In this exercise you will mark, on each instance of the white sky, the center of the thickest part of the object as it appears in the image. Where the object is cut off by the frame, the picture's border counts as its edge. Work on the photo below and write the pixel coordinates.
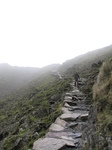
(41, 32)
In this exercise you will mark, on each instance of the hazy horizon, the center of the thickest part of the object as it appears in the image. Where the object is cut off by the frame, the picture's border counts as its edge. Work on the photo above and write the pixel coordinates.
(41, 33)
(5, 63)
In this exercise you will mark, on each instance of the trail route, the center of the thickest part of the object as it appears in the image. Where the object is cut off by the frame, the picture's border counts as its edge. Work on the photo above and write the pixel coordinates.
(66, 133)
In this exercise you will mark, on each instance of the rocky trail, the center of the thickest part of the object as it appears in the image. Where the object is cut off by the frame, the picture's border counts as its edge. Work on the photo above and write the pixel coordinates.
(66, 133)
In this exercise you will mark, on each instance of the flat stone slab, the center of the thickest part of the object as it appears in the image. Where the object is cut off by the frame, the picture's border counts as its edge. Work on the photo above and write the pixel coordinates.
(64, 135)
(68, 94)
(72, 103)
(74, 108)
(72, 124)
(65, 110)
(84, 117)
(68, 100)
(56, 127)
(67, 105)
(61, 122)
(60, 134)
(70, 117)
(51, 144)
(78, 135)
(68, 97)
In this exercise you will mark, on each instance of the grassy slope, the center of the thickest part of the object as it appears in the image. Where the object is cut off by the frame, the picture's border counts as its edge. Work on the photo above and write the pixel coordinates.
(34, 108)
(83, 62)
(13, 78)
(102, 92)
(34, 111)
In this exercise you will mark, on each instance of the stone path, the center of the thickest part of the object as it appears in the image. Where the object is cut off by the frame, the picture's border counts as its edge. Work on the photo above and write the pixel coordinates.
(66, 133)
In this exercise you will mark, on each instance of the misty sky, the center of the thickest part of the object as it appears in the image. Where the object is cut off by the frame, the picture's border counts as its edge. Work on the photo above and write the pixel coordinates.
(41, 32)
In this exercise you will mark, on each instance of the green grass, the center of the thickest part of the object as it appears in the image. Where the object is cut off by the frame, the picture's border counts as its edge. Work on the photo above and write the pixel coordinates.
(102, 92)
(32, 111)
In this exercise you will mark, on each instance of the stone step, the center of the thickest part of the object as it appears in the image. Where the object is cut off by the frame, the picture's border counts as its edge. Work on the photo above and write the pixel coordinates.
(59, 134)
(67, 105)
(65, 110)
(64, 135)
(67, 129)
(68, 94)
(56, 127)
(52, 143)
(77, 108)
(68, 97)
(84, 117)
(70, 102)
(70, 117)
(60, 122)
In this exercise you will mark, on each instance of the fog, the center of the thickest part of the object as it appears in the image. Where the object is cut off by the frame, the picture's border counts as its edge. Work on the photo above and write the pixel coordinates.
(38, 33)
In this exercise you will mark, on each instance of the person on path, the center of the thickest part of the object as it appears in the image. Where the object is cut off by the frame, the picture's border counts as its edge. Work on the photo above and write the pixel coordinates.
(76, 77)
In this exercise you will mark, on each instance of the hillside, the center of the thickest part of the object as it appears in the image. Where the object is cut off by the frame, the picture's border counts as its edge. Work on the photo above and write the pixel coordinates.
(84, 62)
(102, 94)
(31, 98)
(14, 78)
(30, 112)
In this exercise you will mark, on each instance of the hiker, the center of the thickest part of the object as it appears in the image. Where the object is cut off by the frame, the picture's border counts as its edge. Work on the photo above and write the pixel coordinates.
(76, 77)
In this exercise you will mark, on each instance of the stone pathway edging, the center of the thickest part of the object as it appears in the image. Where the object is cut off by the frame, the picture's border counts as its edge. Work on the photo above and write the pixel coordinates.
(66, 132)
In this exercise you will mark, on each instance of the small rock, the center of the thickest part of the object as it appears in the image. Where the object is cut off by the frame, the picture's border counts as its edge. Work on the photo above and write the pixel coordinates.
(21, 129)
(35, 134)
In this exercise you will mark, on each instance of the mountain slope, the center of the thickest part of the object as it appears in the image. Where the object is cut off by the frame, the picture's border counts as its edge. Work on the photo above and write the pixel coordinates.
(83, 62)
(23, 116)
(31, 98)
(14, 78)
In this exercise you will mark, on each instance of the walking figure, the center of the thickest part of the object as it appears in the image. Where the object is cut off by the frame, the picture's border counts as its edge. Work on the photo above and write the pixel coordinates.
(76, 77)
